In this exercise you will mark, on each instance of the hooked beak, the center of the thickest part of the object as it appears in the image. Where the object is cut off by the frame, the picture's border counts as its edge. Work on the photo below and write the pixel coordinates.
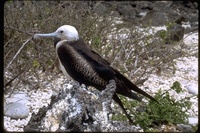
(54, 35)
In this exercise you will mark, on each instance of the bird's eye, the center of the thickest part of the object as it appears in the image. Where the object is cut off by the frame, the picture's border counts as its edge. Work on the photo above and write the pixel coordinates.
(61, 31)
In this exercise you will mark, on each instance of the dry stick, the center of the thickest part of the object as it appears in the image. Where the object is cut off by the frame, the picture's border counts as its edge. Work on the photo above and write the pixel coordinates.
(17, 53)
(9, 82)
(25, 68)
(15, 85)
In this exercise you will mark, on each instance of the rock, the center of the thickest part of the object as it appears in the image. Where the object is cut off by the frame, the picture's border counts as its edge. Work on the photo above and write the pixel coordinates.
(175, 31)
(19, 97)
(101, 7)
(158, 12)
(155, 18)
(16, 110)
(191, 29)
(180, 20)
(141, 14)
(193, 120)
(77, 109)
(146, 5)
(192, 89)
(127, 11)
(184, 128)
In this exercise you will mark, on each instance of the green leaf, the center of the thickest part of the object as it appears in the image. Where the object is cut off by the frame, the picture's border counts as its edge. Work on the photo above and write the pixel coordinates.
(177, 87)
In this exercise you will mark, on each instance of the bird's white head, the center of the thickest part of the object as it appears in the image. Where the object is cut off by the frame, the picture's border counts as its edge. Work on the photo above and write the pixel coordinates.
(65, 32)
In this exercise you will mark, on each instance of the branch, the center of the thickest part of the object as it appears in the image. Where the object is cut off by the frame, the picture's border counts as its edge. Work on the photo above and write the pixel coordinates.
(17, 53)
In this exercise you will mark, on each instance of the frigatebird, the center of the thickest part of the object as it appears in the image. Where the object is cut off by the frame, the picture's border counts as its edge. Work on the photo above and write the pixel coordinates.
(80, 63)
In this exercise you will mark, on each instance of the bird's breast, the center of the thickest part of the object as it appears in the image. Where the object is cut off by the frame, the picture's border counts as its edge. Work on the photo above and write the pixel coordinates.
(65, 71)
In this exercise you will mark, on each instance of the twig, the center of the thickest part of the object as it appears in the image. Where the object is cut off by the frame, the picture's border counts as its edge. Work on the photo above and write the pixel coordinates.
(9, 82)
(141, 76)
(117, 55)
(137, 70)
(17, 53)
(15, 77)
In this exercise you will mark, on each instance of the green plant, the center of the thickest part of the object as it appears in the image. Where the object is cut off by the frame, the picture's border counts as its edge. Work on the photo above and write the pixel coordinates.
(168, 111)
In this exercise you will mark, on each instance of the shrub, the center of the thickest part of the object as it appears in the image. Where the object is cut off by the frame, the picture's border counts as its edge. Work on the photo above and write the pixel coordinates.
(169, 111)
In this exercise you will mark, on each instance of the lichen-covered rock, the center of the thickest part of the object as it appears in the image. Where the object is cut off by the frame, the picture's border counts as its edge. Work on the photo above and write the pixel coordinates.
(77, 109)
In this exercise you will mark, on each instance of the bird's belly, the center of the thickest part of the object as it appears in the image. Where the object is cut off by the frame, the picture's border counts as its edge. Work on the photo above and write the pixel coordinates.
(65, 72)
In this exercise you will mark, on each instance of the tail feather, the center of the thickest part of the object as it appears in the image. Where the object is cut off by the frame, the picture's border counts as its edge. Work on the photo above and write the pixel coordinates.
(128, 86)
(117, 100)
(124, 90)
